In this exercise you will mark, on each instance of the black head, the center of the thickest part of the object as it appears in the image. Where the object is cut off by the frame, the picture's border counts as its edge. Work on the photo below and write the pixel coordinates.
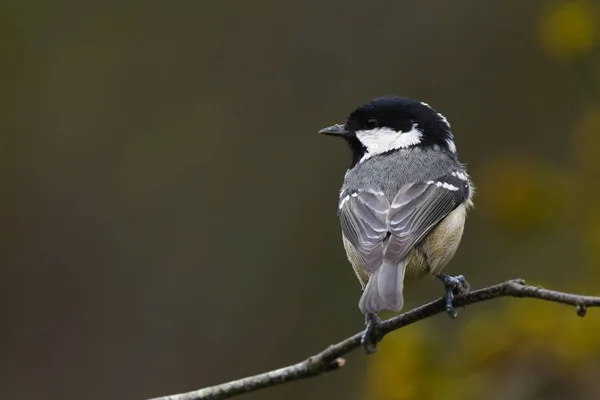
(391, 123)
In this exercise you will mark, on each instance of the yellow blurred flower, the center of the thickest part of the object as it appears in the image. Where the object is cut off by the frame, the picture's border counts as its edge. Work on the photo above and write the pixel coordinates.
(568, 28)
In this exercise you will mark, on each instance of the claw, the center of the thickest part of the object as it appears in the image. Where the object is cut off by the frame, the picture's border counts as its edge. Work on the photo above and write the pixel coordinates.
(370, 337)
(454, 285)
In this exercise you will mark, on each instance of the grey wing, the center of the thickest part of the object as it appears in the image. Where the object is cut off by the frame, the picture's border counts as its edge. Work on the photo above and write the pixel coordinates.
(363, 217)
(382, 235)
(417, 208)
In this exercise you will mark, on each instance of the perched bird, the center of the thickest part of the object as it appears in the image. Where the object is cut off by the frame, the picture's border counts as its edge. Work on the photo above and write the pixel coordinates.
(403, 202)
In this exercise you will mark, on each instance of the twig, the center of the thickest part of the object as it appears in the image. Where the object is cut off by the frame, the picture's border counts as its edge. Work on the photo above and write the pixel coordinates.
(329, 359)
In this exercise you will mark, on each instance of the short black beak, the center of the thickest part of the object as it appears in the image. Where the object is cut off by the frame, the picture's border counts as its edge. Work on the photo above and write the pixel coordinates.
(335, 130)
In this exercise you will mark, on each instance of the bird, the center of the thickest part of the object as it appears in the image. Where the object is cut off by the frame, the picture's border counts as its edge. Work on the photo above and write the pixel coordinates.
(403, 203)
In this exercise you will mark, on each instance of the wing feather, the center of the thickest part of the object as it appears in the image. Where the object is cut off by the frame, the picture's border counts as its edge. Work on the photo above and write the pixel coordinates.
(415, 212)
(364, 225)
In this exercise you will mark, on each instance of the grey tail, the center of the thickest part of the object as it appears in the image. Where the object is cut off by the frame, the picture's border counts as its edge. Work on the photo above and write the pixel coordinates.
(384, 291)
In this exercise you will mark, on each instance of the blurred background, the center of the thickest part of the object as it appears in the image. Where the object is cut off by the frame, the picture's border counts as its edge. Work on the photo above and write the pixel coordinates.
(169, 210)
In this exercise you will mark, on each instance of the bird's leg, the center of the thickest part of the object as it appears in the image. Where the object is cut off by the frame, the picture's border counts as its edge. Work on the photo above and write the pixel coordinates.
(454, 285)
(370, 337)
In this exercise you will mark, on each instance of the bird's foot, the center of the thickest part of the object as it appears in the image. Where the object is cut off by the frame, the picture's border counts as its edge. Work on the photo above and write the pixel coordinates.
(454, 285)
(371, 337)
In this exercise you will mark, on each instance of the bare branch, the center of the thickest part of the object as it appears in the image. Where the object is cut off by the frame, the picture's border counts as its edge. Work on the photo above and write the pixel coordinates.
(330, 358)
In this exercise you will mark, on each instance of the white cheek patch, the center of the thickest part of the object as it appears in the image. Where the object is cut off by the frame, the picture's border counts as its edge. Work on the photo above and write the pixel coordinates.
(382, 140)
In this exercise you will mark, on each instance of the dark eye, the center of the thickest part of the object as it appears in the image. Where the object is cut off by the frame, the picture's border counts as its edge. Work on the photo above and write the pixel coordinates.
(372, 124)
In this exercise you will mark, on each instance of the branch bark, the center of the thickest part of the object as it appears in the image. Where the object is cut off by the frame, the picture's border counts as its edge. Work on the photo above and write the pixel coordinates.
(330, 358)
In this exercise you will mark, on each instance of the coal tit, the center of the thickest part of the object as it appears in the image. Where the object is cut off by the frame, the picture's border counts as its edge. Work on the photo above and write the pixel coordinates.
(403, 202)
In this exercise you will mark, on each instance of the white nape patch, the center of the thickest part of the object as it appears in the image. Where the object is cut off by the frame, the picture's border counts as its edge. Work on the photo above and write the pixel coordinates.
(439, 114)
(444, 185)
(444, 119)
(451, 145)
(460, 175)
(382, 140)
